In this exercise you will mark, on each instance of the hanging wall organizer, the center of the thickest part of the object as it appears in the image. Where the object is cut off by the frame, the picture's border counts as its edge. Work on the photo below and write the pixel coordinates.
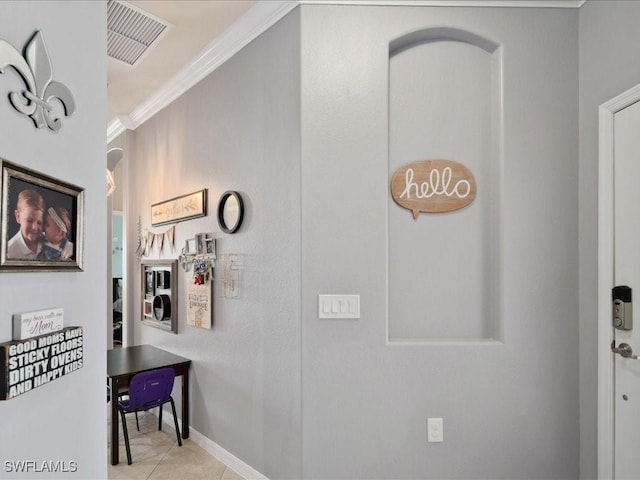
(35, 69)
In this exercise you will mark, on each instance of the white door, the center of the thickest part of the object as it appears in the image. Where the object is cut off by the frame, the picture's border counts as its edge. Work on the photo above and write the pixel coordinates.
(626, 272)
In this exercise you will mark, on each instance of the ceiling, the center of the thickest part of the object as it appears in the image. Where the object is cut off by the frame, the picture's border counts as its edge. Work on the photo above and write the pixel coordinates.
(193, 26)
(203, 34)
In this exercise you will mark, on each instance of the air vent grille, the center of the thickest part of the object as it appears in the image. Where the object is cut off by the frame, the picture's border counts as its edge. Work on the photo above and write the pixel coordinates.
(131, 32)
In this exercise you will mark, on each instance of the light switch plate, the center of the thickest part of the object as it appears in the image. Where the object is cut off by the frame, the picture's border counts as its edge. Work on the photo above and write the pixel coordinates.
(435, 430)
(338, 306)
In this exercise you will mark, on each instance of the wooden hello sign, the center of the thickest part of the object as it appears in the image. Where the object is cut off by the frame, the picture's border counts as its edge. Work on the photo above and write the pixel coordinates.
(433, 186)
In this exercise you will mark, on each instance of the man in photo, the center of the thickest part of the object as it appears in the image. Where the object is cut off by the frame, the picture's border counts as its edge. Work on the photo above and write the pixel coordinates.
(29, 214)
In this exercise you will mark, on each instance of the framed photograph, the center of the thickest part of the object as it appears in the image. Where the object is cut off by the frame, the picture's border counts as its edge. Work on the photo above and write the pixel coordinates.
(163, 279)
(199, 238)
(179, 209)
(150, 285)
(210, 246)
(148, 308)
(42, 221)
(190, 246)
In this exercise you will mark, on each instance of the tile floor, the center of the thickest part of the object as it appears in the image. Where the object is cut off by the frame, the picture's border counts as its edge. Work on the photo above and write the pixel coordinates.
(156, 454)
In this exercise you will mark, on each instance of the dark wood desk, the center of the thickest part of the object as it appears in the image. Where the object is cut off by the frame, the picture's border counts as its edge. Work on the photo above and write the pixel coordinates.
(124, 363)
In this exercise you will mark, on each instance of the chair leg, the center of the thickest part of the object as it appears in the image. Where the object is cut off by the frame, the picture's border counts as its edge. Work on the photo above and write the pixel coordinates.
(126, 437)
(137, 424)
(160, 419)
(175, 421)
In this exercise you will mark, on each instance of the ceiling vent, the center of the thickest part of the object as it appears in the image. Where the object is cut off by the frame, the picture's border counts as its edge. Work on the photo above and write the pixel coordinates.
(131, 32)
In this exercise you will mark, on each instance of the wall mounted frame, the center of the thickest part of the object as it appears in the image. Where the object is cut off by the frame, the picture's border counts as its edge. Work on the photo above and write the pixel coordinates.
(179, 209)
(230, 211)
(52, 202)
(159, 294)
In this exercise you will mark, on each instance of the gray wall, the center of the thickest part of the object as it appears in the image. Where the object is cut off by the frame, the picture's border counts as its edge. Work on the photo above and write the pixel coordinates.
(609, 43)
(510, 410)
(63, 420)
(239, 129)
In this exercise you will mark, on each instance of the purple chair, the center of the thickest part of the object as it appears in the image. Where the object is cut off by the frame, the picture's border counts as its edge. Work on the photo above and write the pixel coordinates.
(148, 390)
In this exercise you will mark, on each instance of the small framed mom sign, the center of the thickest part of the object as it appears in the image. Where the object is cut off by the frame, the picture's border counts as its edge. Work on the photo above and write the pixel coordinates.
(433, 186)
(31, 324)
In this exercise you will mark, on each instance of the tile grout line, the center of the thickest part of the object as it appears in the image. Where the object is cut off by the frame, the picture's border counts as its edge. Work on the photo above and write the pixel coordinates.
(160, 461)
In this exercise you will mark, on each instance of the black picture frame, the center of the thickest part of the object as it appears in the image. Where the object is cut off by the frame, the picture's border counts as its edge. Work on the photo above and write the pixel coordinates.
(46, 201)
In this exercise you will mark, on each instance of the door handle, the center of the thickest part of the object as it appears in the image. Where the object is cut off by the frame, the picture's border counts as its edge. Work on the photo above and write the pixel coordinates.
(624, 349)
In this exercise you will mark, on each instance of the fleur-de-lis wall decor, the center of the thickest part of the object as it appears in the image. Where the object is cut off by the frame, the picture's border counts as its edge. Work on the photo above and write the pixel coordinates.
(35, 70)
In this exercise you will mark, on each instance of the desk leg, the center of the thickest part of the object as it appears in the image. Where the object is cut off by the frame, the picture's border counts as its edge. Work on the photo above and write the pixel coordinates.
(185, 404)
(115, 444)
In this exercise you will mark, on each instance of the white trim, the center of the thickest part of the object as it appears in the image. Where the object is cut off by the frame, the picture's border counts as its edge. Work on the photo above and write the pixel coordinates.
(454, 3)
(257, 20)
(605, 277)
(443, 342)
(216, 451)
(117, 126)
(230, 460)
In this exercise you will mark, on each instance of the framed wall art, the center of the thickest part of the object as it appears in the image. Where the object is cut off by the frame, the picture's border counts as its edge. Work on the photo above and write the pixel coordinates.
(159, 288)
(178, 209)
(42, 221)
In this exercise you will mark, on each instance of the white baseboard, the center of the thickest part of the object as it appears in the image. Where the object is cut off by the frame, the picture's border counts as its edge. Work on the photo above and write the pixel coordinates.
(212, 448)
(226, 457)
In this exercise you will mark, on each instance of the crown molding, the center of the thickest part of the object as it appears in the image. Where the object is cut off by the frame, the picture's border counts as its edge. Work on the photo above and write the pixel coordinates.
(257, 20)
(453, 3)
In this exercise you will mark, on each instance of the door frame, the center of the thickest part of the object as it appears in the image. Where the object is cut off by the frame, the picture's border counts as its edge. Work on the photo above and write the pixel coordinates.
(606, 113)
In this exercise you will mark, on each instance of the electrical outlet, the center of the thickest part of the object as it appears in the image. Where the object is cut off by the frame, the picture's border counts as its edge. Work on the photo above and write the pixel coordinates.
(435, 430)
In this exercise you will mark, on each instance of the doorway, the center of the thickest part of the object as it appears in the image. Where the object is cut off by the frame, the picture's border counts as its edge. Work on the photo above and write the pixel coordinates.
(618, 264)
(116, 317)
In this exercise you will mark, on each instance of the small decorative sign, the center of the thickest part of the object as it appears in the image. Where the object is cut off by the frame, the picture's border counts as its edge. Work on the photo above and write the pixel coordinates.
(32, 324)
(433, 186)
(27, 364)
(199, 305)
(178, 209)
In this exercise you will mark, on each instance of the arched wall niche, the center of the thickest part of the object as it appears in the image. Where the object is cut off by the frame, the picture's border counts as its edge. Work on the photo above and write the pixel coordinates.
(441, 34)
(445, 270)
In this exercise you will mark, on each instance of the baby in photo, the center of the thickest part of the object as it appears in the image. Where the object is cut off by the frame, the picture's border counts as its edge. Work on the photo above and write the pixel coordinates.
(57, 225)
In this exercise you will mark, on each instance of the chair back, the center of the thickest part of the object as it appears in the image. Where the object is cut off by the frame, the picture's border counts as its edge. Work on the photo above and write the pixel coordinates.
(150, 389)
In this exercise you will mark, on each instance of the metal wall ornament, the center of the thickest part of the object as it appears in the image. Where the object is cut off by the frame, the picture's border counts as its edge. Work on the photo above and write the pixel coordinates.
(37, 73)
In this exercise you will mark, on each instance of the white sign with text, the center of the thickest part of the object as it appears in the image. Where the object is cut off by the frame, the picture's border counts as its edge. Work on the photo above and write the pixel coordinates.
(31, 324)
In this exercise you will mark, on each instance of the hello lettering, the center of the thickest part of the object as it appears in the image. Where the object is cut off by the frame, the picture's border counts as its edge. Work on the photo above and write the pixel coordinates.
(433, 186)
(439, 184)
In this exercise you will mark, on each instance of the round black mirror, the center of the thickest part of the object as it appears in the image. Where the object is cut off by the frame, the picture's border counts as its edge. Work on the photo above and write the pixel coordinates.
(230, 211)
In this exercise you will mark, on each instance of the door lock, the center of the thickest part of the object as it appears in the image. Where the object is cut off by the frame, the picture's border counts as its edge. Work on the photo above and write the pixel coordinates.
(622, 314)
(624, 349)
